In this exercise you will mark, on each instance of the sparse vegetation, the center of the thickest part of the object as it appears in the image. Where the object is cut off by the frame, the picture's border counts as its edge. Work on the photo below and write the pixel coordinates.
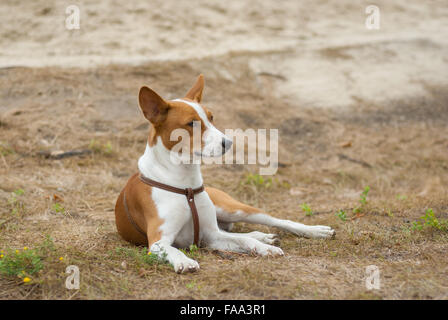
(26, 262)
(362, 201)
(101, 148)
(193, 285)
(140, 256)
(390, 213)
(5, 149)
(58, 208)
(257, 181)
(192, 252)
(16, 203)
(341, 215)
(429, 222)
(20, 263)
(306, 208)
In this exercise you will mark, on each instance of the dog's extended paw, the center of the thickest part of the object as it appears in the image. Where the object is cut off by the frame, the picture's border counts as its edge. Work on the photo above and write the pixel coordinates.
(275, 251)
(320, 232)
(266, 250)
(186, 265)
(268, 238)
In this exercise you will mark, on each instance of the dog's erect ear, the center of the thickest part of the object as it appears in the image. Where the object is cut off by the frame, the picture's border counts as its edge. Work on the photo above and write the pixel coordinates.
(153, 106)
(195, 92)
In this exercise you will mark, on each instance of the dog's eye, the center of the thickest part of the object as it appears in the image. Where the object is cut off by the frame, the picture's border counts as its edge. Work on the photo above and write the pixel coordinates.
(190, 124)
(211, 118)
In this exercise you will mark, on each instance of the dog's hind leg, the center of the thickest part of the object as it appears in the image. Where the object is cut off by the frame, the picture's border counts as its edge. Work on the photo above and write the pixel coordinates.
(229, 211)
(268, 238)
(226, 226)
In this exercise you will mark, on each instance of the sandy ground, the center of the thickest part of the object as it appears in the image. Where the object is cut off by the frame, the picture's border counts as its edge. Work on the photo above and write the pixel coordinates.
(354, 107)
(298, 42)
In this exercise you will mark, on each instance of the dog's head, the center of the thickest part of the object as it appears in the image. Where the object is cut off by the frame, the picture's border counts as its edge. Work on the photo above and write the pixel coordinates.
(175, 123)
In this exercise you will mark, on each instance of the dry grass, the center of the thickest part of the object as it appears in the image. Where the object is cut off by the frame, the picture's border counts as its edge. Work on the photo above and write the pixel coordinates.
(326, 159)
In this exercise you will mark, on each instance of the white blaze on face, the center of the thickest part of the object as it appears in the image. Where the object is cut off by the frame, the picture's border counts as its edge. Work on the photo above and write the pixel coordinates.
(213, 138)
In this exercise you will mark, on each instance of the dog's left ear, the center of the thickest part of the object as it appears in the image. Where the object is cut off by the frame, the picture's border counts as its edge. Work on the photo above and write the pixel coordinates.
(153, 106)
(195, 93)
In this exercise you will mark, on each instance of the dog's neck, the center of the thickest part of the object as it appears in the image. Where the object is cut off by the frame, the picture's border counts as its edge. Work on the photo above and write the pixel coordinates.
(157, 165)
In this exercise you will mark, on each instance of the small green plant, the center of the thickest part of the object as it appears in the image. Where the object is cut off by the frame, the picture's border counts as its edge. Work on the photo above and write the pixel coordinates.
(257, 181)
(285, 184)
(100, 148)
(5, 149)
(192, 285)
(141, 256)
(95, 146)
(108, 148)
(26, 262)
(401, 197)
(47, 245)
(306, 208)
(58, 208)
(192, 252)
(362, 201)
(15, 202)
(429, 221)
(20, 262)
(19, 192)
(363, 196)
(341, 215)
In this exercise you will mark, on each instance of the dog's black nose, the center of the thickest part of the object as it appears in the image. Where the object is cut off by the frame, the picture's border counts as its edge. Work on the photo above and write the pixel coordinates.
(226, 143)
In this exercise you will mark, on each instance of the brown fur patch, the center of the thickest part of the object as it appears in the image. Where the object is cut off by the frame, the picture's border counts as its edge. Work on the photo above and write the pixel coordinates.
(226, 202)
(178, 117)
(142, 210)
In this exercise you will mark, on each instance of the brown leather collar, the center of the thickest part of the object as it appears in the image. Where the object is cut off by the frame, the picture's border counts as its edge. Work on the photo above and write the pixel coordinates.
(188, 192)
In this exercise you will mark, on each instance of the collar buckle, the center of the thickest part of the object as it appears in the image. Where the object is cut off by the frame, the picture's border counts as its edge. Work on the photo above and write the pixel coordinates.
(189, 193)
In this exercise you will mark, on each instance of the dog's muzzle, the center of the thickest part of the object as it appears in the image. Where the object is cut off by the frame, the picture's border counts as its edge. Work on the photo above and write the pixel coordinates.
(226, 144)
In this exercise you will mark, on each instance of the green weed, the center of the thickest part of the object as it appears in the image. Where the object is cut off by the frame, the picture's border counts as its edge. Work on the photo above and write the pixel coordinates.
(26, 262)
(257, 181)
(306, 208)
(341, 215)
(16, 203)
(101, 148)
(58, 208)
(20, 263)
(362, 201)
(192, 285)
(141, 256)
(429, 221)
(192, 252)
(5, 149)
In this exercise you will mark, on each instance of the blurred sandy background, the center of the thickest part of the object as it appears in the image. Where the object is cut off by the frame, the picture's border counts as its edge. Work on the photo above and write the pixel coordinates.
(354, 108)
(320, 52)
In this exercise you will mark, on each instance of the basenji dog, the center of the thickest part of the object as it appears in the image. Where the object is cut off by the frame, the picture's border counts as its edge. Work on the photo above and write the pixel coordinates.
(165, 205)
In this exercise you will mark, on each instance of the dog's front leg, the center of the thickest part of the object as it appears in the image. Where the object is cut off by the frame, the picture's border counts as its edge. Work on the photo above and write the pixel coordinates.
(233, 242)
(175, 257)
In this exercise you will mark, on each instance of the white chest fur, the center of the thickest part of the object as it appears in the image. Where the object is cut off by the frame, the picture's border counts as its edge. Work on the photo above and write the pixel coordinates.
(175, 211)
(172, 207)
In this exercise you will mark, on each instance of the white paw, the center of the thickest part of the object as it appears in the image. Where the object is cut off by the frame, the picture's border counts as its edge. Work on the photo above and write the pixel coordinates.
(319, 232)
(268, 238)
(265, 250)
(275, 251)
(186, 265)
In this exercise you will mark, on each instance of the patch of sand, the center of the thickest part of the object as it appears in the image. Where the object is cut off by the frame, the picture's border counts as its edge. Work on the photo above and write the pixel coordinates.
(320, 54)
